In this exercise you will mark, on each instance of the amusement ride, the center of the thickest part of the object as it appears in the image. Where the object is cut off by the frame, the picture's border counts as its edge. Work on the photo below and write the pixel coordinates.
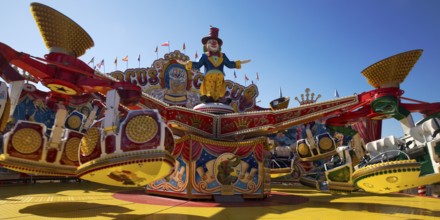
(174, 130)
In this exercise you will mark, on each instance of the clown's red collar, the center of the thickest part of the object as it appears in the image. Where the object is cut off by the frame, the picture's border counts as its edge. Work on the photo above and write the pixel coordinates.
(210, 54)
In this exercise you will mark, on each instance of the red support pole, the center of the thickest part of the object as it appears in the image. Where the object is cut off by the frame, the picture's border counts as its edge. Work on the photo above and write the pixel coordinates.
(421, 190)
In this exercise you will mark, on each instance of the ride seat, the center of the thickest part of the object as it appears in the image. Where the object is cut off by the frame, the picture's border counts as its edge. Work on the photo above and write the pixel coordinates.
(430, 127)
(417, 133)
(423, 133)
(383, 145)
(283, 151)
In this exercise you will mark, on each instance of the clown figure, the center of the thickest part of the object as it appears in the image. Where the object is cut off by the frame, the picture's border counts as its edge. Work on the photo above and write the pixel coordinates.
(213, 86)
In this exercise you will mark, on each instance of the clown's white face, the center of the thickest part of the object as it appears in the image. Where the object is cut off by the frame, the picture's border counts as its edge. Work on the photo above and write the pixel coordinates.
(212, 45)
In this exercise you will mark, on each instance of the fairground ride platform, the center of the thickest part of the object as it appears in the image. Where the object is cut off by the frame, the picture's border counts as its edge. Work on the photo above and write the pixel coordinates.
(87, 200)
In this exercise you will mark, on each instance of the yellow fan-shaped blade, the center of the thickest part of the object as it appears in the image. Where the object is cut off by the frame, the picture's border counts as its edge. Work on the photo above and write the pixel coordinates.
(393, 70)
(60, 33)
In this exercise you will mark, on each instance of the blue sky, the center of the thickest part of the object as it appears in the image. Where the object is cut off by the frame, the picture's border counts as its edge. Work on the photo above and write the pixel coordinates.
(320, 44)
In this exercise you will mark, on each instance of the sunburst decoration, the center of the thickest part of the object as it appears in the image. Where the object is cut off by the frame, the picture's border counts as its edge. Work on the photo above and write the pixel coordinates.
(303, 149)
(89, 141)
(26, 140)
(74, 122)
(72, 148)
(141, 129)
(325, 143)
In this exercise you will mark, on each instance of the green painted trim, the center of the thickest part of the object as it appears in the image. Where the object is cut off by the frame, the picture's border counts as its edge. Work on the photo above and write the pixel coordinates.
(348, 131)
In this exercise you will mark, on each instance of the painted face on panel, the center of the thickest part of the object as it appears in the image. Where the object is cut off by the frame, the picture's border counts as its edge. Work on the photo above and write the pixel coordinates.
(178, 80)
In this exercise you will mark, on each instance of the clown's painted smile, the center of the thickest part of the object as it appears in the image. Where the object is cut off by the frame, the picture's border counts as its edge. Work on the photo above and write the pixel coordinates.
(212, 45)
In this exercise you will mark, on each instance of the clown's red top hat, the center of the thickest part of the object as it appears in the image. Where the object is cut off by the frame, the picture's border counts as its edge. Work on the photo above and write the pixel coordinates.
(213, 34)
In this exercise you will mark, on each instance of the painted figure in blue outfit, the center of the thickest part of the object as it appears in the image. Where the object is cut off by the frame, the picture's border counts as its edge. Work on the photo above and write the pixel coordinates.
(213, 86)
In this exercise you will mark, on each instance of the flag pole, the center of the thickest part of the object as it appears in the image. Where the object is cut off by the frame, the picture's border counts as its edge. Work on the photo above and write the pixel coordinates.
(92, 61)
(258, 77)
(157, 52)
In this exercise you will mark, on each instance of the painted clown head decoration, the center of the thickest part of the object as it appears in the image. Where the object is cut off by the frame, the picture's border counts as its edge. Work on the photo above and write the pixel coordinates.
(212, 43)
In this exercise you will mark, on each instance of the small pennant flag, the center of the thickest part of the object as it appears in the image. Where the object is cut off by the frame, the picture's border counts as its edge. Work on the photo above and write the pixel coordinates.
(116, 60)
(235, 75)
(156, 49)
(92, 60)
(100, 64)
(165, 44)
(196, 55)
(125, 58)
(336, 93)
(258, 78)
(139, 58)
(184, 47)
(245, 77)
